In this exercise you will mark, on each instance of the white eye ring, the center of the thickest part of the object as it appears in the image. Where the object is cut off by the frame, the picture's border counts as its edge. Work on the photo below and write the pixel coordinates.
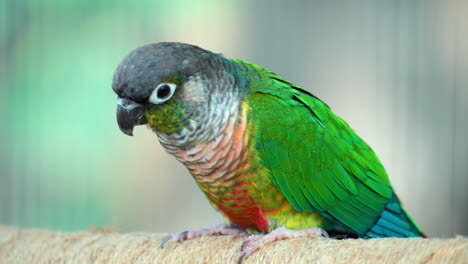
(162, 93)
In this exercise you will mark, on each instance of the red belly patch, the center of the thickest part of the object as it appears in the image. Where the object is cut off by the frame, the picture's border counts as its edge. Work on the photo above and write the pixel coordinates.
(244, 211)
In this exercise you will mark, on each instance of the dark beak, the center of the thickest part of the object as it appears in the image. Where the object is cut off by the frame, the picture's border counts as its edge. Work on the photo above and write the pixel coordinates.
(129, 114)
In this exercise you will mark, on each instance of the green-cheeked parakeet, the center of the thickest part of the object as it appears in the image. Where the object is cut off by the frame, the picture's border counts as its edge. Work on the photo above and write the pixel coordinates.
(270, 156)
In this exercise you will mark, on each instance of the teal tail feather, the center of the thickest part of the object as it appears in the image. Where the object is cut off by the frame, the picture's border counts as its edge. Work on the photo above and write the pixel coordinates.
(394, 222)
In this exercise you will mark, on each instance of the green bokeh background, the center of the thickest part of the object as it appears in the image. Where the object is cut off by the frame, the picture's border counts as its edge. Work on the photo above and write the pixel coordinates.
(64, 162)
(383, 66)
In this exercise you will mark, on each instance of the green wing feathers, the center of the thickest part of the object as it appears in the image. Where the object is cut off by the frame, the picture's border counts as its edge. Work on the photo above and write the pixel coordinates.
(314, 158)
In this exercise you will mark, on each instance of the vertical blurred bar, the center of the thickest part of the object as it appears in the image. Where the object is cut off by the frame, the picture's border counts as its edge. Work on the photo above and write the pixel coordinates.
(29, 98)
(13, 27)
(4, 149)
(460, 129)
(421, 58)
(20, 140)
(454, 79)
(34, 217)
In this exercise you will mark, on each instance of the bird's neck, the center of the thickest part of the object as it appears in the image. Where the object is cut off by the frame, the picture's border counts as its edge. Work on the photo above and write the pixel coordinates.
(221, 157)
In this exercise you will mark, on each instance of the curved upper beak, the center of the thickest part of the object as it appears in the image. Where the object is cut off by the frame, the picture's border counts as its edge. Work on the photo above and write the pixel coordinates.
(129, 114)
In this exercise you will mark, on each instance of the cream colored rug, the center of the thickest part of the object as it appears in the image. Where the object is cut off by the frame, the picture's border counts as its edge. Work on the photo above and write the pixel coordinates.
(105, 246)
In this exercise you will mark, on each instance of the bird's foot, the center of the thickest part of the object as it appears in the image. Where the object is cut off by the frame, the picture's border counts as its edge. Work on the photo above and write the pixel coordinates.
(255, 242)
(213, 230)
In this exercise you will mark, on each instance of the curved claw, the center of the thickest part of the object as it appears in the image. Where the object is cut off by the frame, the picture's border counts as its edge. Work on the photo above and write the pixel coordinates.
(255, 242)
(165, 239)
(250, 239)
(241, 258)
(173, 236)
(218, 229)
(324, 233)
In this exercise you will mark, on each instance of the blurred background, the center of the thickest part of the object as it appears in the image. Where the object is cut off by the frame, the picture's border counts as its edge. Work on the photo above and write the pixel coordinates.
(397, 71)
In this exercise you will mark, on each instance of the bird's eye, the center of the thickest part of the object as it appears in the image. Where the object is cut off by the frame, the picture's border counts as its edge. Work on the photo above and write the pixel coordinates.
(162, 93)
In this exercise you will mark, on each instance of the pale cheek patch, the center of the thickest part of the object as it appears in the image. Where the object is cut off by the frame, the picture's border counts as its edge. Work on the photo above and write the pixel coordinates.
(194, 90)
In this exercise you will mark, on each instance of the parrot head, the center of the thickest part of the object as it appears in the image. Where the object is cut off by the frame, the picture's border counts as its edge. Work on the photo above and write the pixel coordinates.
(182, 92)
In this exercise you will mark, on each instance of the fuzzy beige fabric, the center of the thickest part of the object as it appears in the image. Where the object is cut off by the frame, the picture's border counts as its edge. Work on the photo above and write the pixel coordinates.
(106, 246)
